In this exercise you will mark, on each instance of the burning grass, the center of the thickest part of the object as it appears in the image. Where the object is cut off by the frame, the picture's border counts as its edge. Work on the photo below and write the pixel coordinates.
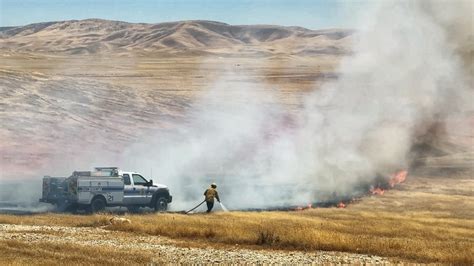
(428, 220)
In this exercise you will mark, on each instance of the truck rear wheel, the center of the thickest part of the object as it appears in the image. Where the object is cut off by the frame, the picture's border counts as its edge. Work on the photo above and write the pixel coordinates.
(97, 205)
(161, 204)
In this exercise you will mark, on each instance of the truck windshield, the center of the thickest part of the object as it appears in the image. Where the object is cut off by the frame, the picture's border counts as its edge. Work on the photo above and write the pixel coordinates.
(138, 180)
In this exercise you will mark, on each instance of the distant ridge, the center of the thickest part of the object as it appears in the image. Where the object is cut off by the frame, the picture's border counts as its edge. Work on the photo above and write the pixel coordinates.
(93, 36)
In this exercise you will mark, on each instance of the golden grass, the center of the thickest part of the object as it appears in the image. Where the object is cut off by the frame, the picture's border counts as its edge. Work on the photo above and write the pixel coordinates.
(406, 236)
(57, 219)
(14, 252)
(410, 224)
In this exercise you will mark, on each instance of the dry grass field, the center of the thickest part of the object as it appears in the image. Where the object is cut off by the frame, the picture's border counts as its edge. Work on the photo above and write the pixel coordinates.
(427, 219)
(50, 100)
(23, 253)
(63, 96)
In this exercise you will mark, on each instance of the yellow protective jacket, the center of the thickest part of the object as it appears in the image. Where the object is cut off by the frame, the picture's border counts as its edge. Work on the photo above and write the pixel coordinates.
(210, 194)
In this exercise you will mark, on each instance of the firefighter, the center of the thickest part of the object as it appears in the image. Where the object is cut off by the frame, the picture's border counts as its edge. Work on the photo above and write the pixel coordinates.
(210, 194)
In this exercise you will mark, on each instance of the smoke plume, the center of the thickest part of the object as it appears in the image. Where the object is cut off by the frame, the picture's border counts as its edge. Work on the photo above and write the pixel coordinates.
(406, 74)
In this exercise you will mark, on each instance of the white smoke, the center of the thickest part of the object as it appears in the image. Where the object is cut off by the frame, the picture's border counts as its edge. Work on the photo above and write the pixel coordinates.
(405, 75)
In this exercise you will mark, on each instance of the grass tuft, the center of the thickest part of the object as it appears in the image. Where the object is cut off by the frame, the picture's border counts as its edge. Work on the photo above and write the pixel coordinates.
(267, 237)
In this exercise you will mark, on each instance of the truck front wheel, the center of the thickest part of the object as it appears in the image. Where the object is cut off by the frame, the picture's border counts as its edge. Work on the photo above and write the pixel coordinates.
(97, 205)
(161, 204)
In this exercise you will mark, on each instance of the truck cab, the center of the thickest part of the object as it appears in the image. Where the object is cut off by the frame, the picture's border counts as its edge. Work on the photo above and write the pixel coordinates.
(140, 192)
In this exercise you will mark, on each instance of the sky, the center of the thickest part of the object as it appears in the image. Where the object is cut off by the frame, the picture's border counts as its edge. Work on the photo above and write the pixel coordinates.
(313, 14)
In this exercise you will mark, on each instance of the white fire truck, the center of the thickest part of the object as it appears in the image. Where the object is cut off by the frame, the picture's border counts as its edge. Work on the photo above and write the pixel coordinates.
(95, 190)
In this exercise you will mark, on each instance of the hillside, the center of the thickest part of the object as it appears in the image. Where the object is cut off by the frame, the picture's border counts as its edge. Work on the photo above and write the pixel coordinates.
(100, 36)
(70, 79)
(67, 85)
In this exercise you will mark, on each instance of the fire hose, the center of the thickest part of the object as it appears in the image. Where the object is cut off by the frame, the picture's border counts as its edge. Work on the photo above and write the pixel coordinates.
(196, 207)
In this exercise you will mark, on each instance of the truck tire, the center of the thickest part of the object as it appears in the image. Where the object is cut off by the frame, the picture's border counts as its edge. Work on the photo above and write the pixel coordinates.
(161, 204)
(97, 205)
(62, 207)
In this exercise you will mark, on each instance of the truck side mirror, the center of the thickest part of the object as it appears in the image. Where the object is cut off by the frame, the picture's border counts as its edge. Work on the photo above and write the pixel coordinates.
(150, 183)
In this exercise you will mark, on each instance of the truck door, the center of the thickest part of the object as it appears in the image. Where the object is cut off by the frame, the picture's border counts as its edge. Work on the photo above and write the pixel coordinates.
(128, 191)
(141, 190)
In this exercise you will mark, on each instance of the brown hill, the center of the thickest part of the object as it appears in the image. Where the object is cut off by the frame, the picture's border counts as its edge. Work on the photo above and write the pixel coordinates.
(95, 35)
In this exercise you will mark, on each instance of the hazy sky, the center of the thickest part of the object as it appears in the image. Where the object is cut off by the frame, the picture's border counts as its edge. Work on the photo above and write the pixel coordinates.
(306, 13)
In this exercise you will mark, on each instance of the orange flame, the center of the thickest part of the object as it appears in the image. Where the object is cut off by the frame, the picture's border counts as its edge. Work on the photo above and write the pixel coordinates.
(300, 208)
(398, 178)
(377, 191)
(341, 205)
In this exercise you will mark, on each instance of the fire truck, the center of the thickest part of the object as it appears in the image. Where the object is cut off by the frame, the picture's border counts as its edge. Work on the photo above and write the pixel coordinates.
(103, 187)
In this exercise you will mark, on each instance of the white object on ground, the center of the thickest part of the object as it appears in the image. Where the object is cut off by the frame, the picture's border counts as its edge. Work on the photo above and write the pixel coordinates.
(119, 220)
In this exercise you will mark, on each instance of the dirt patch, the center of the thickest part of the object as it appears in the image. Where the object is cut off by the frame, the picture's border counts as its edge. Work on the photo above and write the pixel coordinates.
(167, 250)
